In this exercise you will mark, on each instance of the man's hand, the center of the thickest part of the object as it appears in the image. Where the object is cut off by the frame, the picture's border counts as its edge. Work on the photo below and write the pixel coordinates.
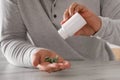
(93, 21)
(39, 61)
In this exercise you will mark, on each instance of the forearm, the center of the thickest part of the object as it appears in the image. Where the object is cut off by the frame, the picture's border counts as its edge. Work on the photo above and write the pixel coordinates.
(110, 30)
(13, 36)
(18, 52)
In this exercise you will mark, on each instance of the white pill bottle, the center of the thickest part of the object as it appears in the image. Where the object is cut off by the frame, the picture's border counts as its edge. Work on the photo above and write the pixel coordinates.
(70, 27)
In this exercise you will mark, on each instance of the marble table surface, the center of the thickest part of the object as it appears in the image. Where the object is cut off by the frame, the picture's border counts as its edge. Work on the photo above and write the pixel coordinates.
(80, 70)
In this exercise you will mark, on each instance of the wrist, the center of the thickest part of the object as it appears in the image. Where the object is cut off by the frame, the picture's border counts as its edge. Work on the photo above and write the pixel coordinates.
(97, 26)
(102, 30)
(36, 51)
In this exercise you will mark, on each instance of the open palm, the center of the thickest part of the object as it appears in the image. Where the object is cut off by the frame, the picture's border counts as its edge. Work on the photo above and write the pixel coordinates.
(38, 61)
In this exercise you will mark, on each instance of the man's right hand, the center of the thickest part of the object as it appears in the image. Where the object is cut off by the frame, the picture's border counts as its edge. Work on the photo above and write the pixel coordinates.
(93, 21)
(38, 60)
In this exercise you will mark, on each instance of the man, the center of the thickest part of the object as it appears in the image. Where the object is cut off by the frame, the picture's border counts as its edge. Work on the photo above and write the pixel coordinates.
(38, 22)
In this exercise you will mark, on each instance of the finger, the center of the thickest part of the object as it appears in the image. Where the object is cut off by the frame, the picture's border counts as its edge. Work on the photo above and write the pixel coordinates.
(35, 60)
(61, 63)
(72, 8)
(48, 67)
(42, 66)
(60, 60)
(66, 16)
(53, 67)
(64, 65)
(80, 8)
(62, 22)
(67, 64)
(61, 66)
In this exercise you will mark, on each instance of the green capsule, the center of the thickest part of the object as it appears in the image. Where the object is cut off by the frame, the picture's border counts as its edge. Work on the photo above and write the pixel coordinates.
(51, 60)
(47, 59)
(56, 59)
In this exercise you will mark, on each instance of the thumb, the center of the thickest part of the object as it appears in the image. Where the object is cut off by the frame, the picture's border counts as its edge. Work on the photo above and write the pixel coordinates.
(35, 60)
(62, 22)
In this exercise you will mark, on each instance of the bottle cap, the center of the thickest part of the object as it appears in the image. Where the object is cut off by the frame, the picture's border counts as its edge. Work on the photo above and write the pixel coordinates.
(71, 26)
(75, 23)
(63, 33)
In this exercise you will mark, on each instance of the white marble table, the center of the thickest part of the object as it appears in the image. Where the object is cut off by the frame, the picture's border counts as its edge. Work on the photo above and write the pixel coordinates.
(81, 70)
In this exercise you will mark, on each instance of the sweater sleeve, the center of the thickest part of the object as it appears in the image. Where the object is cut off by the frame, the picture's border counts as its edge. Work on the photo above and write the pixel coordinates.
(14, 44)
(110, 29)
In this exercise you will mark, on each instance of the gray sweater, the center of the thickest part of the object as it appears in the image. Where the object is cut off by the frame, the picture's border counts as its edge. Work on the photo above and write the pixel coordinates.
(30, 25)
